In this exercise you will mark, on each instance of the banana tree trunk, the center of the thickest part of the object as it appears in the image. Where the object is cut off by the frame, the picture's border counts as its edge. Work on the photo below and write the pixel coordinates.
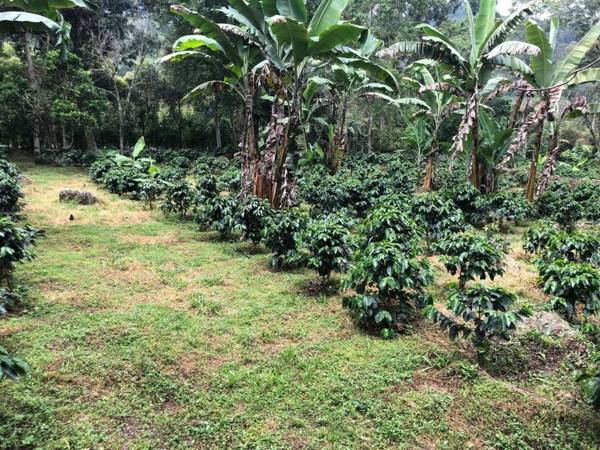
(264, 176)
(550, 165)
(248, 142)
(340, 139)
(530, 189)
(429, 177)
(474, 175)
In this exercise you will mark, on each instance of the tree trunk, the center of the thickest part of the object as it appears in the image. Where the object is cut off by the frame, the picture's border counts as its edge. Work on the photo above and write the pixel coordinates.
(37, 148)
(530, 189)
(550, 166)
(248, 140)
(515, 112)
(90, 139)
(217, 123)
(428, 179)
(63, 135)
(474, 163)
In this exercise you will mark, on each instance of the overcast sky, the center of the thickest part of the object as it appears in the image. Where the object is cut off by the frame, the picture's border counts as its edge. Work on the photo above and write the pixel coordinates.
(504, 6)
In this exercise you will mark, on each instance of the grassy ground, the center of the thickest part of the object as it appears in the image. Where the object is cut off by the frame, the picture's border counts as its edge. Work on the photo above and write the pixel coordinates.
(143, 333)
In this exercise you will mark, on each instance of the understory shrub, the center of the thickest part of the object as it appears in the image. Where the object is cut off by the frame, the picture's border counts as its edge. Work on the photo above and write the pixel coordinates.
(10, 191)
(560, 206)
(390, 282)
(252, 215)
(464, 196)
(123, 180)
(571, 284)
(11, 367)
(206, 189)
(389, 223)
(178, 198)
(536, 237)
(16, 246)
(503, 206)
(591, 381)
(219, 214)
(281, 233)
(100, 167)
(8, 301)
(479, 312)
(470, 256)
(326, 246)
(438, 216)
(575, 247)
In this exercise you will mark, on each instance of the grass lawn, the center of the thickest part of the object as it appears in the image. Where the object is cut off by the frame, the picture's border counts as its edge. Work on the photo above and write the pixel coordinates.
(143, 333)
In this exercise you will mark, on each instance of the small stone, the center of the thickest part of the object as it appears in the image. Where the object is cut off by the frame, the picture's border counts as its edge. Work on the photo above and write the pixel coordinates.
(79, 197)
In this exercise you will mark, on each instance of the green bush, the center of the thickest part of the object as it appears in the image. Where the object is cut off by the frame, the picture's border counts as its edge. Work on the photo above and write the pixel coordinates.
(10, 194)
(280, 235)
(219, 214)
(230, 180)
(8, 301)
(123, 180)
(387, 223)
(178, 198)
(502, 207)
(478, 311)
(326, 246)
(11, 367)
(591, 382)
(464, 196)
(560, 206)
(571, 283)
(206, 189)
(252, 215)
(470, 256)
(16, 246)
(536, 238)
(438, 216)
(100, 168)
(170, 174)
(575, 247)
(389, 282)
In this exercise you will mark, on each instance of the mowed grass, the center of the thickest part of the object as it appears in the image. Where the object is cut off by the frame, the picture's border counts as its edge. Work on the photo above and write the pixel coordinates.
(143, 333)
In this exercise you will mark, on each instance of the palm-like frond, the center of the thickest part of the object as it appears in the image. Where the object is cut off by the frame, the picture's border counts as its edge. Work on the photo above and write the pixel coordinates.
(513, 48)
(506, 28)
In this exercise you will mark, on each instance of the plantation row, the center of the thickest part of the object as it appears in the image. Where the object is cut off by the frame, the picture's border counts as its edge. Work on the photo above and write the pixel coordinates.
(370, 225)
(16, 246)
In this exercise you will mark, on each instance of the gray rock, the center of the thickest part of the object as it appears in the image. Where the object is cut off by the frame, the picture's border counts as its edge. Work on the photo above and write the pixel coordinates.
(548, 323)
(79, 197)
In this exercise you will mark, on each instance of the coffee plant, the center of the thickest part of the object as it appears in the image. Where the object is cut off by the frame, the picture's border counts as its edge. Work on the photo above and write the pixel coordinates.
(536, 238)
(11, 367)
(478, 311)
(575, 247)
(16, 246)
(281, 233)
(560, 206)
(571, 284)
(471, 256)
(591, 381)
(390, 286)
(178, 198)
(325, 246)
(219, 214)
(388, 223)
(252, 215)
(439, 217)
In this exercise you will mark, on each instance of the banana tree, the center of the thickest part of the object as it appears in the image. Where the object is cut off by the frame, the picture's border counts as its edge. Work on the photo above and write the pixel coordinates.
(301, 45)
(489, 50)
(239, 56)
(349, 86)
(435, 105)
(550, 79)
